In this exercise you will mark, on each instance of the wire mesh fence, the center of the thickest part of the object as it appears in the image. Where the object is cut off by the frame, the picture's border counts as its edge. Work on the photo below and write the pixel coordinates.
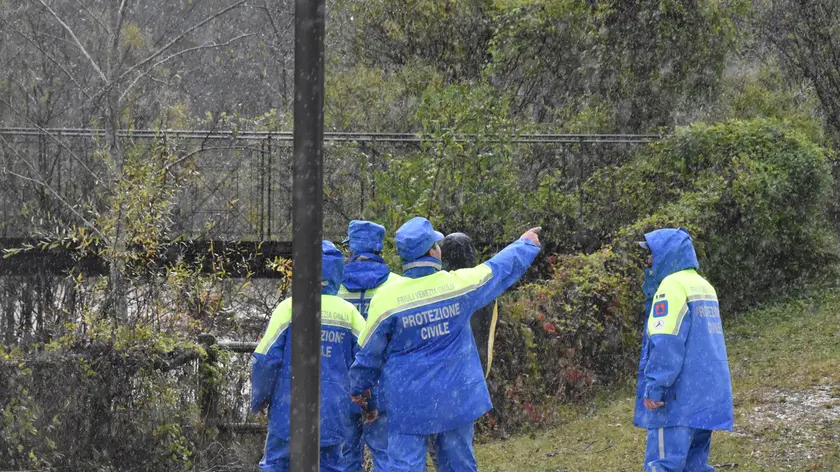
(239, 185)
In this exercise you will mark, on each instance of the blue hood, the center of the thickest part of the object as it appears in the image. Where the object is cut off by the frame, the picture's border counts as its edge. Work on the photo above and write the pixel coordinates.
(332, 268)
(365, 236)
(414, 239)
(672, 251)
(364, 272)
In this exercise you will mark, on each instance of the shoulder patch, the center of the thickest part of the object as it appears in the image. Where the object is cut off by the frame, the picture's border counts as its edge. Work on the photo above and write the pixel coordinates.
(660, 309)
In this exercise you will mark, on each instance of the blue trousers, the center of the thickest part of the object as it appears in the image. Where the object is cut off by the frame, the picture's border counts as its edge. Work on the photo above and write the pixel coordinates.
(375, 435)
(678, 449)
(276, 458)
(454, 451)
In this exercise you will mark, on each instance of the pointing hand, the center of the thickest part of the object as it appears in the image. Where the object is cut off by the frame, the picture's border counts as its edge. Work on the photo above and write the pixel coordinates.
(533, 235)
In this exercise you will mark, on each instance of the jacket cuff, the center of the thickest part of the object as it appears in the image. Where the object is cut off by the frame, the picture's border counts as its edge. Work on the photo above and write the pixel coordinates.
(529, 243)
(656, 394)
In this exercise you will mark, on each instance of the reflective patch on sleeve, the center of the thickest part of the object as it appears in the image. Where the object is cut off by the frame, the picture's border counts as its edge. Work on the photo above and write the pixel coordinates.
(660, 309)
(667, 324)
(670, 306)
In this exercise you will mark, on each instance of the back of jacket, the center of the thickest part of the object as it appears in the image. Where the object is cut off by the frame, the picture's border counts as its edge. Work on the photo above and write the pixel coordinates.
(684, 362)
(419, 330)
(367, 278)
(341, 324)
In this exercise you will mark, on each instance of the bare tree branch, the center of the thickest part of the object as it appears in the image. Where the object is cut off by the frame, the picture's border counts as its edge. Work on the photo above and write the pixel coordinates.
(95, 18)
(45, 185)
(48, 56)
(115, 42)
(75, 39)
(180, 53)
(54, 138)
(271, 20)
(179, 37)
(134, 68)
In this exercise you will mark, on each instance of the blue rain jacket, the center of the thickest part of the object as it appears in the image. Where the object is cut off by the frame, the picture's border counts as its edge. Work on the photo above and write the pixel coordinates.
(364, 276)
(683, 361)
(341, 325)
(418, 334)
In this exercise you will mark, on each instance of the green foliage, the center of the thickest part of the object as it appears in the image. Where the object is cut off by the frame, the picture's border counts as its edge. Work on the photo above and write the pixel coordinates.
(641, 61)
(450, 36)
(104, 391)
(756, 193)
(457, 183)
(804, 36)
(753, 195)
(562, 337)
(371, 99)
(769, 93)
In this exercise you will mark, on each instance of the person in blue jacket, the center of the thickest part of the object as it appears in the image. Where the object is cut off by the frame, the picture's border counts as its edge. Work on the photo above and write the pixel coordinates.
(418, 337)
(271, 374)
(364, 275)
(684, 389)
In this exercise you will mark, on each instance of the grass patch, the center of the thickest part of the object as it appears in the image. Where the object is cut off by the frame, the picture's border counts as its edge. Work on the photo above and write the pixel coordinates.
(785, 363)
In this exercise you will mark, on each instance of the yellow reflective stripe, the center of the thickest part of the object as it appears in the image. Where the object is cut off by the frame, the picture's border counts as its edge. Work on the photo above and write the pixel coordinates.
(680, 318)
(336, 323)
(671, 299)
(476, 276)
(335, 311)
(346, 294)
(385, 304)
(696, 287)
(351, 296)
(374, 322)
(355, 326)
(412, 265)
(280, 320)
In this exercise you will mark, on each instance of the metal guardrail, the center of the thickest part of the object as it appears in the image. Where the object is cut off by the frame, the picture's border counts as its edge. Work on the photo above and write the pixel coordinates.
(335, 136)
(208, 390)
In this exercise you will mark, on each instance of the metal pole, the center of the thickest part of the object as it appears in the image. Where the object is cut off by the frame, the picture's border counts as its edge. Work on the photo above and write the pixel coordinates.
(306, 243)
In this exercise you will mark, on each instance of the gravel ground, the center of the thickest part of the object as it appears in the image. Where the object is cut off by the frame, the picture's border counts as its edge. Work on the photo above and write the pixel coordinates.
(800, 424)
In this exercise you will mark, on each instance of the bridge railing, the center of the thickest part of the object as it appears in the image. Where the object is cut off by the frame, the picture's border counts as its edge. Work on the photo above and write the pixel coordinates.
(209, 391)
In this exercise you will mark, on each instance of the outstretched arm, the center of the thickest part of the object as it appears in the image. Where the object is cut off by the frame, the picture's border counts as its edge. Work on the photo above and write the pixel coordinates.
(492, 278)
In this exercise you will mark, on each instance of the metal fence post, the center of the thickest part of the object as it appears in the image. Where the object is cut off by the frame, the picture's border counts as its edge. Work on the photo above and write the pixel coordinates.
(307, 220)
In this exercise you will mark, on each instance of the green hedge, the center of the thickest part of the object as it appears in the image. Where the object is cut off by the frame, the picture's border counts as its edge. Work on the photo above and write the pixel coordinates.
(754, 196)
